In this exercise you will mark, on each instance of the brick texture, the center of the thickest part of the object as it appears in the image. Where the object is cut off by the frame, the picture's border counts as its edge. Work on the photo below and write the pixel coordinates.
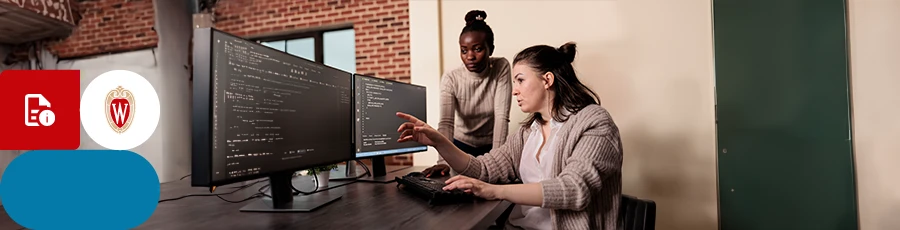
(381, 27)
(109, 26)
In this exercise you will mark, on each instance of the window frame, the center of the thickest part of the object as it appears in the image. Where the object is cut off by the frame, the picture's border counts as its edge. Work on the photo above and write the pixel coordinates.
(316, 33)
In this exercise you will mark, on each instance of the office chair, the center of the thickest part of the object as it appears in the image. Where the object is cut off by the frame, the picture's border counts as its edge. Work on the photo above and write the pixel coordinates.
(637, 214)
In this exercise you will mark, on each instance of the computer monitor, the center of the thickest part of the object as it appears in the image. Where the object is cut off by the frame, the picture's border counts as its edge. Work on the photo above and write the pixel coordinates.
(377, 102)
(259, 112)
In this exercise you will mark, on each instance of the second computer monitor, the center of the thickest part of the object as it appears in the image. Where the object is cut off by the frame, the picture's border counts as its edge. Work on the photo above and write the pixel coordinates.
(377, 102)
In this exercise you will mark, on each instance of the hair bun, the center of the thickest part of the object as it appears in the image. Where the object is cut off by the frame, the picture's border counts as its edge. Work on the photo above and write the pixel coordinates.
(475, 15)
(568, 51)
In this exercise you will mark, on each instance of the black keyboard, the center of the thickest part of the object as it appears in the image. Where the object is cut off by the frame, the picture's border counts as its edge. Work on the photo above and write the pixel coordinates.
(432, 190)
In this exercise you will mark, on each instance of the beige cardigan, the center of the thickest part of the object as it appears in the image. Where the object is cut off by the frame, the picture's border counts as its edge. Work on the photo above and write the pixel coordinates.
(587, 188)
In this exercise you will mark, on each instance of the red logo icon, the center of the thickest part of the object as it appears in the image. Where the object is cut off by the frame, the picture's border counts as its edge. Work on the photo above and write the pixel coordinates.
(50, 108)
(121, 106)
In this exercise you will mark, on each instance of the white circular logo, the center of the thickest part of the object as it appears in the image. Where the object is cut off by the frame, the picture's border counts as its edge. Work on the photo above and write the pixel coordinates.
(119, 110)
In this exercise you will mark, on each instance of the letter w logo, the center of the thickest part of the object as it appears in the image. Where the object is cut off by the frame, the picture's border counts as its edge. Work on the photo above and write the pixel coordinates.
(121, 104)
(119, 113)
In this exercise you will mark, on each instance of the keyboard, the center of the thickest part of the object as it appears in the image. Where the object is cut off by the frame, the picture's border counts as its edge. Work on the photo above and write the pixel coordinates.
(432, 190)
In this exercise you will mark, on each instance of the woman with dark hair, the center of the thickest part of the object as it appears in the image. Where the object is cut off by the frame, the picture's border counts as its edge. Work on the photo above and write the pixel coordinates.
(568, 153)
(478, 91)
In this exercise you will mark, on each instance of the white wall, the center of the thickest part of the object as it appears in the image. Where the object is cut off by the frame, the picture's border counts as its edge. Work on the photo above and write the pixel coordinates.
(173, 26)
(874, 27)
(6, 156)
(425, 64)
(142, 62)
(168, 149)
(651, 62)
(49, 62)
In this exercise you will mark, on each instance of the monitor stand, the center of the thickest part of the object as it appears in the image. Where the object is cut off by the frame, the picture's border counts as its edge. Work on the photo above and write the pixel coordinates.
(380, 174)
(283, 200)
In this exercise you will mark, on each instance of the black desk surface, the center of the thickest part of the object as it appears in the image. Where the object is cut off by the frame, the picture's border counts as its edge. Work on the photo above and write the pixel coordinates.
(364, 205)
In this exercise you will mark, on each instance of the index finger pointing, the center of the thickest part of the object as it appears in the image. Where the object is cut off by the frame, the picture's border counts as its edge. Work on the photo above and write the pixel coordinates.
(408, 117)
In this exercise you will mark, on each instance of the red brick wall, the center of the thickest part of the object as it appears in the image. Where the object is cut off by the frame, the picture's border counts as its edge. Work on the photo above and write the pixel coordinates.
(103, 26)
(381, 26)
(110, 26)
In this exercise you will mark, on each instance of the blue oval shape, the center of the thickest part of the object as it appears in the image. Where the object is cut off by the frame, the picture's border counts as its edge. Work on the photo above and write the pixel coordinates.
(79, 189)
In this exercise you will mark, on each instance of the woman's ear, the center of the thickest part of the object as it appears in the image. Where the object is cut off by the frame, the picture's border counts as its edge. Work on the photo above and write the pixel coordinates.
(549, 79)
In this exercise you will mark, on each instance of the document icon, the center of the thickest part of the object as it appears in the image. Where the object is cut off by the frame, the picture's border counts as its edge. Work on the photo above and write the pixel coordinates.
(43, 129)
(39, 114)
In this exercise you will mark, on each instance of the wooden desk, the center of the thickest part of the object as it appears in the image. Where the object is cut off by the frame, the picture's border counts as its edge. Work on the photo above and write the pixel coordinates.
(8, 223)
(364, 206)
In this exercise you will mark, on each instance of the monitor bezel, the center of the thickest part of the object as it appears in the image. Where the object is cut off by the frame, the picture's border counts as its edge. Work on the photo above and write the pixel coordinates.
(202, 110)
(425, 119)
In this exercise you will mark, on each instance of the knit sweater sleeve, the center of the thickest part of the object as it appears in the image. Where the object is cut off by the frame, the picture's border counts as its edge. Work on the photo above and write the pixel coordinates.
(502, 100)
(595, 157)
(500, 165)
(448, 109)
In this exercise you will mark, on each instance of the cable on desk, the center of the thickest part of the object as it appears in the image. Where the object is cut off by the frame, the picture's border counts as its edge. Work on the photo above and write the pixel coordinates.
(364, 167)
(261, 192)
(239, 188)
(297, 191)
(254, 196)
(186, 176)
(251, 184)
(186, 196)
(397, 170)
(357, 176)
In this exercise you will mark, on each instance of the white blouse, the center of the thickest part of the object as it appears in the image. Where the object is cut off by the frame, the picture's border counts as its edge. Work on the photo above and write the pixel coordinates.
(534, 170)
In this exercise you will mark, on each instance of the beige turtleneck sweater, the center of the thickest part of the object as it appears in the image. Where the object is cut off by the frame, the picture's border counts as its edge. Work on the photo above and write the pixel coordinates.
(475, 106)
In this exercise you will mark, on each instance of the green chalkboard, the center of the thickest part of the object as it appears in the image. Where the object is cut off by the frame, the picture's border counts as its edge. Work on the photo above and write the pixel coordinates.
(785, 159)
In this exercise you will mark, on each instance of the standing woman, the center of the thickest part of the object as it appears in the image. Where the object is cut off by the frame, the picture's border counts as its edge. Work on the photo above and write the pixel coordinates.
(479, 92)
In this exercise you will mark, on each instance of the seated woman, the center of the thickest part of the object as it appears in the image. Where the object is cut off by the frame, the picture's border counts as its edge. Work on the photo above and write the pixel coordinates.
(567, 153)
